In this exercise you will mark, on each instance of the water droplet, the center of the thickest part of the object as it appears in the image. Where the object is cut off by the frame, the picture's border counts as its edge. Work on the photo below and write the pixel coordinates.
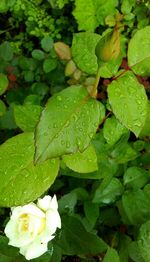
(67, 123)
(62, 142)
(91, 135)
(67, 144)
(65, 106)
(59, 98)
(54, 125)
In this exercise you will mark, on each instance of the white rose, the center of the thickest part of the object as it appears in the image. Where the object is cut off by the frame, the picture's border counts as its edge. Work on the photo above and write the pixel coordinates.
(32, 226)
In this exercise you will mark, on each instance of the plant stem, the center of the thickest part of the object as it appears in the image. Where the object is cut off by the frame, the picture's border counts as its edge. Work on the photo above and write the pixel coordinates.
(94, 90)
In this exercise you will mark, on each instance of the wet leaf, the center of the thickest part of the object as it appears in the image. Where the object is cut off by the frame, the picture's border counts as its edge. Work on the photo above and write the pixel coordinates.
(85, 162)
(139, 56)
(22, 181)
(128, 100)
(67, 124)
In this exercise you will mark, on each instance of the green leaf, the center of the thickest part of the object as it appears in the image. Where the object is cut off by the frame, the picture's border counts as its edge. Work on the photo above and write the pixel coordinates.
(136, 207)
(77, 117)
(68, 202)
(94, 13)
(134, 252)
(91, 211)
(113, 130)
(2, 108)
(83, 51)
(47, 43)
(86, 20)
(3, 83)
(108, 194)
(128, 100)
(124, 242)
(73, 239)
(26, 116)
(139, 58)
(146, 128)
(38, 54)
(111, 256)
(127, 6)
(85, 162)
(49, 65)
(123, 152)
(135, 177)
(144, 241)
(22, 181)
(6, 51)
(6, 250)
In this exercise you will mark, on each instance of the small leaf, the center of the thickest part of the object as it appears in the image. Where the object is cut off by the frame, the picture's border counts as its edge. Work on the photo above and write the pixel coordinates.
(85, 162)
(73, 239)
(49, 65)
(135, 177)
(139, 56)
(38, 54)
(111, 256)
(91, 211)
(47, 43)
(146, 128)
(83, 51)
(22, 181)
(2, 108)
(3, 83)
(144, 241)
(26, 116)
(76, 120)
(135, 205)
(108, 194)
(6, 51)
(128, 100)
(113, 130)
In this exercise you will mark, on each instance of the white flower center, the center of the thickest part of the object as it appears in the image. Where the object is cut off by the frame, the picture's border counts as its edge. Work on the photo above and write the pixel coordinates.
(31, 224)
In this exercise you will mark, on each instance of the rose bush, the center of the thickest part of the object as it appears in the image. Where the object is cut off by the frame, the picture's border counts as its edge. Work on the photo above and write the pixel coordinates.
(32, 226)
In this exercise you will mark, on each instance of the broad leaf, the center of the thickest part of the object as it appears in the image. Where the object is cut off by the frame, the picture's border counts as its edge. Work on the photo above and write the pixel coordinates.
(113, 130)
(135, 206)
(111, 256)
(67, 124)
(75, 240)
(22, 181)
(108, 194)
(26, 116)
(135, 177)
(139, 55)
(91, 211)
(85, 162)
(3, 83)
(94, 13)
(128, 100)
(83, 51)
(144, 241)
(146, 128)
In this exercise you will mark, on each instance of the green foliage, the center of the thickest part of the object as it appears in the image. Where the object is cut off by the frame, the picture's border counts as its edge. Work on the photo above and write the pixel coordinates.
(138, 57)
(80, 117)
(75, 122)
(19, 174)
(128, 100)
(83, 51)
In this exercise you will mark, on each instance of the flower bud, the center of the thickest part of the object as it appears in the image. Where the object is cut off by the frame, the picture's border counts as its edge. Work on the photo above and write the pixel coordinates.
(62, 50)
(108, 47)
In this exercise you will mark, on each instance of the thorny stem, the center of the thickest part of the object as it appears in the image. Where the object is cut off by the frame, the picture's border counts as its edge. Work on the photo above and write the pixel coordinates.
(94, 90)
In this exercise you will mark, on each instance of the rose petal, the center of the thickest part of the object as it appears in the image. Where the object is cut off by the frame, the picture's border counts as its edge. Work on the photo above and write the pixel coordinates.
(33, 250)
(44, 203)
(52, 221)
